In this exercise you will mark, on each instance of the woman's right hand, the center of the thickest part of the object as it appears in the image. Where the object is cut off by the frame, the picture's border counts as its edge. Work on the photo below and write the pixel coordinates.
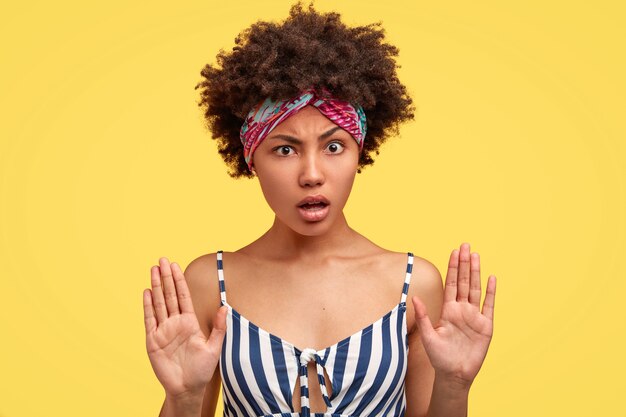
(182, 357)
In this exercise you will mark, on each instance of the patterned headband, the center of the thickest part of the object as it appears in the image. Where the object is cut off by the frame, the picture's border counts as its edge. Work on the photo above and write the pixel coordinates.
(266, 116)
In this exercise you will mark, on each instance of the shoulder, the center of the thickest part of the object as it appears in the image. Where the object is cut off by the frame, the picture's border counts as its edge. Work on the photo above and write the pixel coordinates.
(427, 284)
(202, 280)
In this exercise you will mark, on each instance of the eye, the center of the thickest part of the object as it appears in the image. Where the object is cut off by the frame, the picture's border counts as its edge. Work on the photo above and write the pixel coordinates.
(333, 146)
(281, 150)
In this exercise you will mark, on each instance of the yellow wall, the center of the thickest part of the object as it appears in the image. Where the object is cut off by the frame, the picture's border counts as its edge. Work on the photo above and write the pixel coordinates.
(517, 148)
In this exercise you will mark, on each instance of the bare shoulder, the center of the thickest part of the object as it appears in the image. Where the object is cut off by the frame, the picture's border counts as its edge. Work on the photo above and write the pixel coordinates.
(202, 280)
(427, 284)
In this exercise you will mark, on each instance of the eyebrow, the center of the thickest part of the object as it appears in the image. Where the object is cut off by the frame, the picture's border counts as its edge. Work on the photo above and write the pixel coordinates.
(297, 141)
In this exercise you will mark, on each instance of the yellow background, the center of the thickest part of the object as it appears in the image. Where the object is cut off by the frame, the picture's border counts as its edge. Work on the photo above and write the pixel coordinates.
(517, 147)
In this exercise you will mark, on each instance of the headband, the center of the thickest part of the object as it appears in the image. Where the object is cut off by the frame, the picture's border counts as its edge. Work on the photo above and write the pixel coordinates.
(262, 119)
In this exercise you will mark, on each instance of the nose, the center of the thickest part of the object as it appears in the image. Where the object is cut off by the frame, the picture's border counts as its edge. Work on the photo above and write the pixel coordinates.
(312, 172)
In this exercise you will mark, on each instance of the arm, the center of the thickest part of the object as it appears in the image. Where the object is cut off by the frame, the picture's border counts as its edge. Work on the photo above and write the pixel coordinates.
(420, 377)
(428, 393)
(202, 405)
(457, 343)
(182, 407)
(449, 398)
(199, 276)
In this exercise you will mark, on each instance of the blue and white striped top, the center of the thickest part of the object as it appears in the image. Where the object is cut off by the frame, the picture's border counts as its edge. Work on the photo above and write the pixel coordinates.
(366, 369)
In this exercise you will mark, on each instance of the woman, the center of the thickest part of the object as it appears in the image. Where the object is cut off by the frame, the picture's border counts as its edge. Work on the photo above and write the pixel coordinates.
(301, 105)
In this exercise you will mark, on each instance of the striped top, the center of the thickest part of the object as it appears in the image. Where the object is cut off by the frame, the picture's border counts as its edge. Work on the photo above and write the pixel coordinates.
(366, 369)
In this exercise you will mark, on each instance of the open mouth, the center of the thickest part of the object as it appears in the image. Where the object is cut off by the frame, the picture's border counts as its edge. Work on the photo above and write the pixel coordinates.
(314, 212)
(313, 206)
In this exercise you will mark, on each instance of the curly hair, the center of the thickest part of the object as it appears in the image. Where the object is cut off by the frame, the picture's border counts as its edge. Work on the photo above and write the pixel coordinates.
(279, 60)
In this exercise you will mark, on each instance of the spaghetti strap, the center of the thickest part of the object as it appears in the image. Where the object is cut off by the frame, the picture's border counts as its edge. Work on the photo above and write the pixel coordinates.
(407, 279)
(220, 275)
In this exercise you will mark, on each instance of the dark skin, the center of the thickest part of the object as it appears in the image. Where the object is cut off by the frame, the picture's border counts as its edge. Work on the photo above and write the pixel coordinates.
(338, 296)
(354, 279)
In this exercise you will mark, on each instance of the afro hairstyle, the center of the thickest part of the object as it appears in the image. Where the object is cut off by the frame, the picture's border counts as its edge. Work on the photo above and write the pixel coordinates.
(280, 60)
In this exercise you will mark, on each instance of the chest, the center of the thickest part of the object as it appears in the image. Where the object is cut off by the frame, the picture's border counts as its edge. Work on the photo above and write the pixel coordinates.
(313, 306)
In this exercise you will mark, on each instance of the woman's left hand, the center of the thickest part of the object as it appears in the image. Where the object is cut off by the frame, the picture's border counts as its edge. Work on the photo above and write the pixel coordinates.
(457, 346)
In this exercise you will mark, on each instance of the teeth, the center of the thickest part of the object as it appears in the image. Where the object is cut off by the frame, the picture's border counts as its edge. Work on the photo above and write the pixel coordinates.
(313, 204)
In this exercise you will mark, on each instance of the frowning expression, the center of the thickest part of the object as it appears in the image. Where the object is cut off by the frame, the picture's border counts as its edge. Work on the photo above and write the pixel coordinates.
(307, 155)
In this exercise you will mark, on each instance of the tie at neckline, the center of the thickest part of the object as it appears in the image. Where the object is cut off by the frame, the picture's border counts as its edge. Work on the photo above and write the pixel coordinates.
(307, 355)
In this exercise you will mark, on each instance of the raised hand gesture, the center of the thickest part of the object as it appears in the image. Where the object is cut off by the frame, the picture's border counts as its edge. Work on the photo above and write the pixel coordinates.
(457, 346)
(182, 357)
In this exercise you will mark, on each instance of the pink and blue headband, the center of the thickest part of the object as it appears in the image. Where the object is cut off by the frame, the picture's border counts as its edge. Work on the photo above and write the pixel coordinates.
(266, 116)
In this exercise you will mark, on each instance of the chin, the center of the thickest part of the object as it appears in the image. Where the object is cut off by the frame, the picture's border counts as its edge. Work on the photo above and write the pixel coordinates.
(310, 228)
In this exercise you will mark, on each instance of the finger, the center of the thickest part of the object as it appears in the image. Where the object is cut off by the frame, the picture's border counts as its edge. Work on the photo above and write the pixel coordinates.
(218, 331)
(422, 320)
(474, 290)
(169, 290)
(451, 277)
(490, 298)
(149, 318)
(182, 290)
(464, 273)
(158, 300)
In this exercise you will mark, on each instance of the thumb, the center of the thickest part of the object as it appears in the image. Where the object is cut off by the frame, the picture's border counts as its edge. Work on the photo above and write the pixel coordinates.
(219, 329)
(422, 320)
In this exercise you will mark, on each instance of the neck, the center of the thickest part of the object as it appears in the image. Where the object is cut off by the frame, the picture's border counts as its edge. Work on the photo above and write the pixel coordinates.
(281, 239)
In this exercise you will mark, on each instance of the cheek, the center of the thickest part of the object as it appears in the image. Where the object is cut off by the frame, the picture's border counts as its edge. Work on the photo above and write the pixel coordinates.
(346, 183)
(275, 188)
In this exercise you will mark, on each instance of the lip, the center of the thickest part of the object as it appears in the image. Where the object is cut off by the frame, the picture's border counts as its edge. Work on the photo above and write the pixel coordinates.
(319, 198)
(314, 215)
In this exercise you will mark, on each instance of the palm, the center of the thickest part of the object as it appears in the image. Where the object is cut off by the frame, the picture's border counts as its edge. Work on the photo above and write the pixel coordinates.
(457, 346)
(182, 357)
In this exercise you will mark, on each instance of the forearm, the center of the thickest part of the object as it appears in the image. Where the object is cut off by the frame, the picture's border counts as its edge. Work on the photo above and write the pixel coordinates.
(187, 406)
(449, 398)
